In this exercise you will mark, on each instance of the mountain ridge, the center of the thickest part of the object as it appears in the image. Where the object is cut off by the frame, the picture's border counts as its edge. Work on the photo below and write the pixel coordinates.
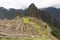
(53, 11)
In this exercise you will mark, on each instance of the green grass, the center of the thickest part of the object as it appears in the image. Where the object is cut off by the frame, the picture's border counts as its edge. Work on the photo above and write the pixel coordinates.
(29, 38)
(26, 20)
(22, 38)
(3, 39)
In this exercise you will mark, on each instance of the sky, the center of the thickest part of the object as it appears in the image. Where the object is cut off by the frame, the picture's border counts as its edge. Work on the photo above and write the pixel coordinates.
(22, 4)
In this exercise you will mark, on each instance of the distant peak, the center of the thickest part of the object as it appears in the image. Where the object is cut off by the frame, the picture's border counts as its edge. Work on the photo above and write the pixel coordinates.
(32, 6)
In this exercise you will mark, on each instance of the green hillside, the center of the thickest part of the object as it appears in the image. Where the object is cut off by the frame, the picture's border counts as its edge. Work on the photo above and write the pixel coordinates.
(38, 32)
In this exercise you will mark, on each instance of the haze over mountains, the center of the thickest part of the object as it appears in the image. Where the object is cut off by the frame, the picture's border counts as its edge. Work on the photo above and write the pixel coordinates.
(35, 15)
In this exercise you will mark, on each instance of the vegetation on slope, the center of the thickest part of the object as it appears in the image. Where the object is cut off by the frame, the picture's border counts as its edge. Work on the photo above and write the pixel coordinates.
(55, 32)
(26, 20)
(43, 33)
(21, 38)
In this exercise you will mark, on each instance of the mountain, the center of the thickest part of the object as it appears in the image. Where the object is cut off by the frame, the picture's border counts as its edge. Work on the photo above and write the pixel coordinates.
(45, 16)
(7, 13)
(28, 24)
(54, 11)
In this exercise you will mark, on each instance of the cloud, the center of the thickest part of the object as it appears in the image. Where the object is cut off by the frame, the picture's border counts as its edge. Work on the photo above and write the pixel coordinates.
(25, 3)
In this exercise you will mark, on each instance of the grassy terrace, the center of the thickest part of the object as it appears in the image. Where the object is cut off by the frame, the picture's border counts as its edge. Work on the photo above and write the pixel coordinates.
(21, 39)
(43, 33)
(26, 20)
